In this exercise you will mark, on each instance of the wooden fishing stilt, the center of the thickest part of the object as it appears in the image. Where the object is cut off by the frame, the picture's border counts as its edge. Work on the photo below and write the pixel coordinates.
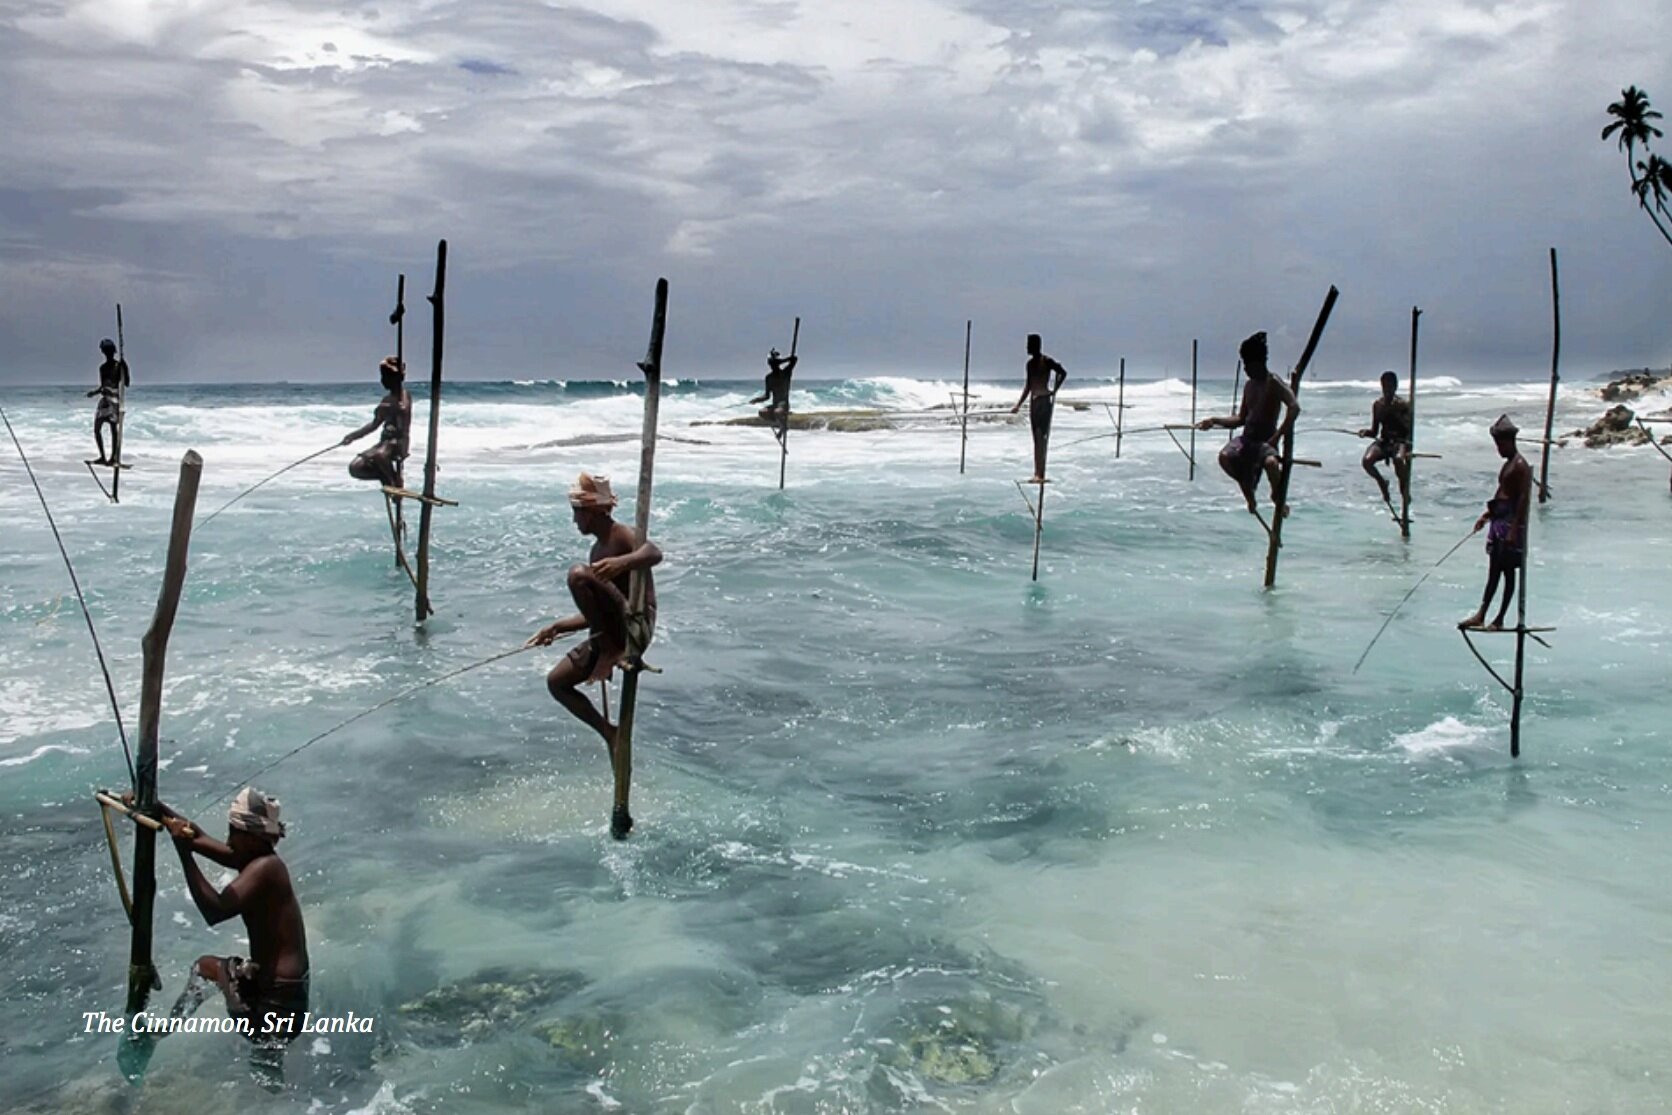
(438, 304)
(784, 425)
(1120, 407)
(121, 411)
(1236, 384)
(1405, 487)
(1516, 689)
(1275, 542)
(142, 973)
(964, 413)
(397, 517)
(1036, 508)
(1195, 346)
(621, 818)
(1555, 365)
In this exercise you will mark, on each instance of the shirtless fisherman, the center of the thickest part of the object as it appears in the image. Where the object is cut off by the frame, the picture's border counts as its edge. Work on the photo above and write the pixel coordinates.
(383, 461)
(272, 985)
(1390, 425)
(1255, 449)
(600, 589)
(1040, 369)
(1506, 523)
(777, 388)
(113, 378)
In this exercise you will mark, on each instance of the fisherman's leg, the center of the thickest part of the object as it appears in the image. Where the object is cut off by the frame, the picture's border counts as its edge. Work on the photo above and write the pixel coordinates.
(1274, 477)
(1493, 572)
(115, 443)
(1373, 457)
(362, 468)
(1402, 469)
(204, 976)
(564, 682)
(602, 604)
(98, 435)
(1511, 564)
(1232, 464)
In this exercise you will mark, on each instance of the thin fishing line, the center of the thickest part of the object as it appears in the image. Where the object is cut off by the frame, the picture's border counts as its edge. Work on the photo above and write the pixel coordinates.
(383, 704)
(211, 516)
(1407, 596)
(74, 581)
(1113, 433)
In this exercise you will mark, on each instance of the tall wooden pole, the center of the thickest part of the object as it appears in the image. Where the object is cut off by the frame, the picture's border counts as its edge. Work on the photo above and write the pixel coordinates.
(397, 517)
(1120, 407)
(121, 410)
(1520, 645)
(438, 304)
(1194, 347)
(1276, 542)
(784, 430)
(142, 974)
(1555, 365)
(1236, 382)
(964, 445)
(621, 819)
(1038, 528)
(1405, 489)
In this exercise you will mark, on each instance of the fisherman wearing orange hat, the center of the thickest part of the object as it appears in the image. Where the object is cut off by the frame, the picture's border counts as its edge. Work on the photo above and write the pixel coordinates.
(600, 589)
(382, 462)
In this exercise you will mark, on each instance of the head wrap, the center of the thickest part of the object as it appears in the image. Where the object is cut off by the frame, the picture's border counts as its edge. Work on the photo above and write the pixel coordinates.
(253, 811)
(107, 346)
(392, 365)
(1253, 351)
(1503, 427)
(592, 491)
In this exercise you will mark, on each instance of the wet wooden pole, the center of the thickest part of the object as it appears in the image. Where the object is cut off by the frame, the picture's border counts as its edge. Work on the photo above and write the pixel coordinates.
(1120, 407)
(438, 313)
(1276, 531)
(121, 410)
(397, 517)
(621, 818)
(1555, 365)
(1038, 527)
(1195, 346)
(784, 429)
(964, 442)
(1411, 397)
(142, 973)
(1520, 642)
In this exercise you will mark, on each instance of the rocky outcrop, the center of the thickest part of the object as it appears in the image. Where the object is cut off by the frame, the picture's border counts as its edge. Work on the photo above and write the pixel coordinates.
(1626, 386)
(1613, 428)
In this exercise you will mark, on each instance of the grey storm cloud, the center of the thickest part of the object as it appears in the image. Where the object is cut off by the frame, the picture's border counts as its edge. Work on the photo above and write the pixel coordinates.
(247, 176)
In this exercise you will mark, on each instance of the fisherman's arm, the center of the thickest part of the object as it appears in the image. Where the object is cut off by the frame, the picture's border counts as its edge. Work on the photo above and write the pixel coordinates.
(217, 906)
(643, 557)
(549, 634)
(1061, 374)
(362, 431)
(1291, 407)
(1375, 420)
(126, 382)
(205, 846)
(1027, 389)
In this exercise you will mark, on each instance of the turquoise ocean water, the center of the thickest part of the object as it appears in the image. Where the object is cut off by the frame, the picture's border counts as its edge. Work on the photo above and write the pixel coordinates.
(915, 834)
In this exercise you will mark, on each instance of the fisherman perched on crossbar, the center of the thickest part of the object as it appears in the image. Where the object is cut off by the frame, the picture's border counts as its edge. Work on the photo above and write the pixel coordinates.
(1505, 521)
(600, 588)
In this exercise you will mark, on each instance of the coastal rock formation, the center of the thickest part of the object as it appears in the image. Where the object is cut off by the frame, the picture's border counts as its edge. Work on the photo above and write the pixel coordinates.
(1626, 386)
(464, 1012)
(1613, 428)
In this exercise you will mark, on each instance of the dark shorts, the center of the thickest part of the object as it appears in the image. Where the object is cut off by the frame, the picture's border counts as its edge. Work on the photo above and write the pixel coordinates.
(595, 662)
(1390, 450)
(1250, 455)
(246, 998)
(107, 410)
(1039, 411)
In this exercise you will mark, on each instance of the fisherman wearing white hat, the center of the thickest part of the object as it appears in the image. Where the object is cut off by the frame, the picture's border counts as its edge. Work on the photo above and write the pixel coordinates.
(600, 589)
(273, 983)
(1506, 523)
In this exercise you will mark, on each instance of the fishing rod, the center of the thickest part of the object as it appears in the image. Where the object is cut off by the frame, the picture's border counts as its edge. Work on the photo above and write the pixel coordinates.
(1472, 532)
(1128, 433)
(210, 517)
(91, 630)
(383, 704)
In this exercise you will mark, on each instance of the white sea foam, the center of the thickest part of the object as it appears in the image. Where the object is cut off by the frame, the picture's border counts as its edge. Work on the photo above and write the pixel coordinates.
(1444, 735)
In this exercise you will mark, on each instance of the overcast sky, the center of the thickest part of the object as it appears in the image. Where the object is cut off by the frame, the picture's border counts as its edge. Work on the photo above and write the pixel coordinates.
(248, 176)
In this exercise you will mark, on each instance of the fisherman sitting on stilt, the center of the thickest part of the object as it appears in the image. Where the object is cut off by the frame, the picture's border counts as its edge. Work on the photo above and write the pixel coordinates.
(113, 377)
(383, 461)
(1255, 450)
(777, 388)
(270, 989)
(600, 589)
(1044, 395)
(1506, 523)
(1390, 425)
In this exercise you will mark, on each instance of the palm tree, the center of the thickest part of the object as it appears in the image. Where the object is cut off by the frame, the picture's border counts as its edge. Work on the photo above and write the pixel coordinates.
(1633, 127)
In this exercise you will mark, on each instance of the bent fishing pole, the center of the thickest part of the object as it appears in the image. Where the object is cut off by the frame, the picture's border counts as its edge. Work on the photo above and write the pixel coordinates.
(1409, 593)
(211, 516)
(104, 669)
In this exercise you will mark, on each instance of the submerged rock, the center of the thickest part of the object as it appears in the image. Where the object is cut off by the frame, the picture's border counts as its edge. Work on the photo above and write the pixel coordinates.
(583, 1039)
(494, 999)
(1613, 428)
(963, 1041)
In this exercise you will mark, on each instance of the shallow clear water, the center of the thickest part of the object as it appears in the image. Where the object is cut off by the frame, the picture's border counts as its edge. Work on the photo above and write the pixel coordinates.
(915, 834)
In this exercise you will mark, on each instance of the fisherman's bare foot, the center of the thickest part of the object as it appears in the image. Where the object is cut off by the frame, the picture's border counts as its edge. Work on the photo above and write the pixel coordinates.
(1475, 620)
(621, 823)
(101, 461)
(1282, 510)
(1253, 508)
(1496, 625)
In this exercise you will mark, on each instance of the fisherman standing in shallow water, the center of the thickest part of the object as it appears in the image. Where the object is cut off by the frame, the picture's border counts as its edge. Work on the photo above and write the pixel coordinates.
(1040, 369)
(777, 387)
(1390, 425)
(383, 461)
(1255, 449)
(113, 379)
(600, 589)
(1506, 524)
(273, 982)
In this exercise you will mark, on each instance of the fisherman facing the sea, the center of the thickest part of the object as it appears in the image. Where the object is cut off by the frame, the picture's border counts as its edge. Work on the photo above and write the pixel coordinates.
(273, 982)
(1044, 395)
(1506, 524)
(1390, 425)
(383, 461)
(600, 588)
(113, 378)
(777, 388)
(1255, 450)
